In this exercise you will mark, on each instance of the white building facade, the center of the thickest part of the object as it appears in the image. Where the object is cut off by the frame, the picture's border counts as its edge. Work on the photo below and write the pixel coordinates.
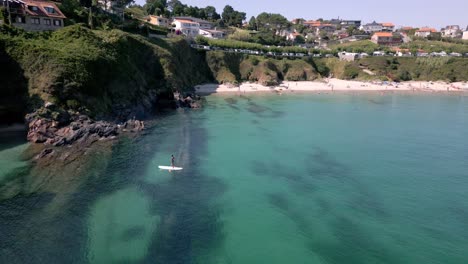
(186, 27)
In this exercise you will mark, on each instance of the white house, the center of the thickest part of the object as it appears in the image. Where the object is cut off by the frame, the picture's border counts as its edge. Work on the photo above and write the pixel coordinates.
(452, 31)
(424, 32)
(209, 33)
(465, 35)
(203, 24)
(372, 27)
(390, 27)
(186, 27)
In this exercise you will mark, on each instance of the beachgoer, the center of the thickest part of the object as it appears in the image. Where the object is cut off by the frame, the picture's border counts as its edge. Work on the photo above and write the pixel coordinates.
(172, 161)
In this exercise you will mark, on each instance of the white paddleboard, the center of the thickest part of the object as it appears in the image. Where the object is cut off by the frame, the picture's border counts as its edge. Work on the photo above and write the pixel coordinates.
(169, 168)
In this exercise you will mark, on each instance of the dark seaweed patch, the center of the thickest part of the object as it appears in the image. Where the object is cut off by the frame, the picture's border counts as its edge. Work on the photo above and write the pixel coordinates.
(132, 233)
(230, 101)
(353, 245)
(245, 98)
(256, 108)
(279, 201)
(368, 202)
(296, 181)
(260, 168)
(322, 164)
(324, 205)
(263, 111)
(234, 107)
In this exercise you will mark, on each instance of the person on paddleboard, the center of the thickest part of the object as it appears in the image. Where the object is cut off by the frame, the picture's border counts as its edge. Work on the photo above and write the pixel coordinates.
(172, 161)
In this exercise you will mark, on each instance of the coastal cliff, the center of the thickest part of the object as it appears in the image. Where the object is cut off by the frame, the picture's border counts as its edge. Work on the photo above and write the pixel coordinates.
(76, 76)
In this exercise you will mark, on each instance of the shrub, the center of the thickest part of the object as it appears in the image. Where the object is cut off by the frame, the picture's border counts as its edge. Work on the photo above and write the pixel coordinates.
(350, 72)
(201, 40)
(404, 75)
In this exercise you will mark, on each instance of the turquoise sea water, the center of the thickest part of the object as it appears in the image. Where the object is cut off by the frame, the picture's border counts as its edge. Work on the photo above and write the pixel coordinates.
(303, 178)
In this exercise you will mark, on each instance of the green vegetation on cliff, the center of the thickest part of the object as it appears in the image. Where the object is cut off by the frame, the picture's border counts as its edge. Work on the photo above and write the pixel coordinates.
(436, 46)
(235, 68)
(369, 47)
(400, 69)
(366, 46)
(99, 72)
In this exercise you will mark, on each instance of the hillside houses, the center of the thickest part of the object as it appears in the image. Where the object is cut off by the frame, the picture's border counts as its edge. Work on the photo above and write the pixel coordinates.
(424, 32)
(388, 27)
(320, 26)
(192, 27)
(387, 38)
(377, 27)
(372, 27)
(340, 23)
(186, 27)
(158, 21)
(451, 31)
(35, 15)
(212, 33)
(203, 24)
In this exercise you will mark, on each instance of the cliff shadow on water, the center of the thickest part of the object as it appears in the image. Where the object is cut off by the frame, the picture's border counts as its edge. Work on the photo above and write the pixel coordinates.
(113, 206)
(13, 90)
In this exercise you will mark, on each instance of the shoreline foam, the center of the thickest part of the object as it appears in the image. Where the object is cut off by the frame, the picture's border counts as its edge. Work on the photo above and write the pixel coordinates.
(334, 85)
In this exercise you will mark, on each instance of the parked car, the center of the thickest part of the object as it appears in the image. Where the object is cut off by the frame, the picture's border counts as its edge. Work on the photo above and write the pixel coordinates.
(378, 53)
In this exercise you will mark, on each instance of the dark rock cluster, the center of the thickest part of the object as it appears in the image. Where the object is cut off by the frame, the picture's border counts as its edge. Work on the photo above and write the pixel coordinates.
(189, 101)
(60, 128)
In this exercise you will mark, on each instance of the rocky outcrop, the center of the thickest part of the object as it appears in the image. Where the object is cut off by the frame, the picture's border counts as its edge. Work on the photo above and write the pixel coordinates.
(50, 132)
(58, 128)
(188, 101)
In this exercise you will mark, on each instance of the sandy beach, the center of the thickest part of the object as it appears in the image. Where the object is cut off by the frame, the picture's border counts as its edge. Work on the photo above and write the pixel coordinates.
(335, 85)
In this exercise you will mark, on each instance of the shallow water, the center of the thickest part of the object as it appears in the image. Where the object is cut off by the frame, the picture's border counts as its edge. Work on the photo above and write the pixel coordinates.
(298, 178)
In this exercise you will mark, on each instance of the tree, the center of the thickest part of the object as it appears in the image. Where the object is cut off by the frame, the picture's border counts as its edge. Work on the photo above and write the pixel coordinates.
(300, 28)
(350, 30)
(124, 3)
(156, 7)
(175, 7)
(232, 17)
(324, 35)
(272, 22)
(211, 13)
(299, 40)
(253, 23)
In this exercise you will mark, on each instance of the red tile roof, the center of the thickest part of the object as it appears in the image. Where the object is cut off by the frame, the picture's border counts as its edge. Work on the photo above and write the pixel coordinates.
(43, 8)
(383, 34)
(185, 21)
(426, 29)
(313, 23)
(388, 25)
